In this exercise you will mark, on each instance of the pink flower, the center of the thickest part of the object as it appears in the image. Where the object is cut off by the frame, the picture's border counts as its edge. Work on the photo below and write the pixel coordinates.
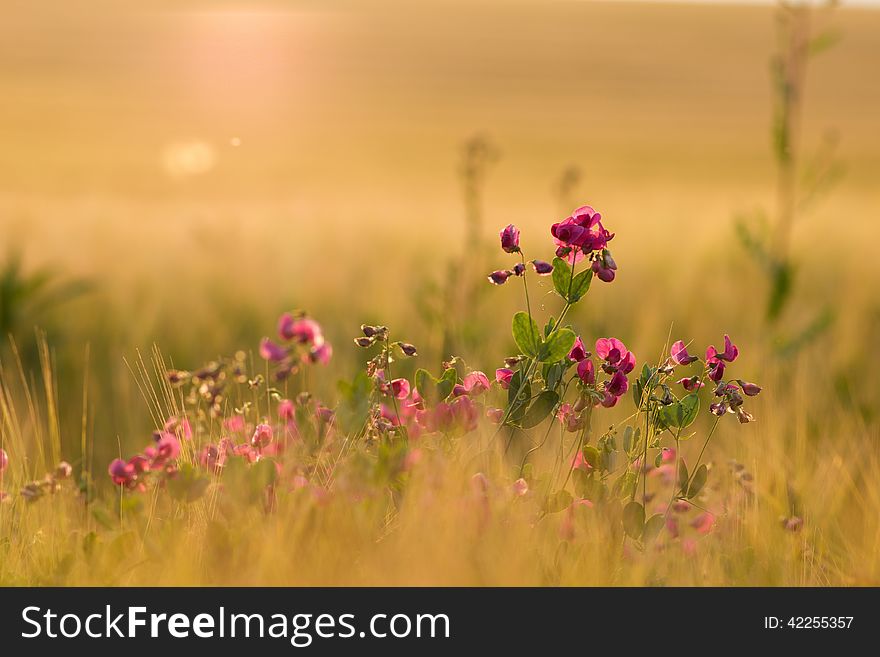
(262, 436)
(4, 460)
(321, 353)
(500, 277)
(271, 351)
(751, 389)
(583, 230)
(691, 383)
(503, 375)
(122, 473)
(577, 353)
(495, 415)
(604, 267)
(510, 239)
(234, 423)
(400, 388)
(716, 370)
(581, 463)
(542, 268)
(703, 523)
(167, 449)
(729, 354)
(680, 355)
(520, 487)
(586, 372)
(475, 383)
(300, 329)
(286, 409)
(617, 385)
(611, 350)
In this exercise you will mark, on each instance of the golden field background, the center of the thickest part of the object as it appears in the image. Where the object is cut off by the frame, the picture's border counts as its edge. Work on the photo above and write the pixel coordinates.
(208, 165)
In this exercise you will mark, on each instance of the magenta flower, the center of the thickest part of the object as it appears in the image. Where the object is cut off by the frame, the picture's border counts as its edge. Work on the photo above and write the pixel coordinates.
(300, 329)
(716, 370)
(703, 523)
(542, 268)
(474, 384)
(286, 410)
(751, 389)
(262, 436)
(729, 354)
(586, 372)
(400, 388)
(510, 239)
(500, 277)
(680, 355)
(271, 351)
(321, 353)
(122, 473)
(617, 385)
(519, 269)
(578, 352)
(691, 383)
(611, 350)
(503, 375)
(582, 231)
(604, 267)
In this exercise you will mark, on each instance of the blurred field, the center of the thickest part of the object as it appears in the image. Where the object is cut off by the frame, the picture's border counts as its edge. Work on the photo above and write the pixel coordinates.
(209, 165)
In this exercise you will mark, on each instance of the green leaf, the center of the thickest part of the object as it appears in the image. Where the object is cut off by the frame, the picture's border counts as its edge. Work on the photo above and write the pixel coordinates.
(518, 395)
(561, 277)
(526, 334)
(354, 403)
(634, 519)
(625, 485)
(682, 413)
(682, 475)
(698, 481)
(447, 383)
(557, 346)
(580, 285)
(639, 386)
(540, 409)
(559, 501)
(653, 526)
(592, 456)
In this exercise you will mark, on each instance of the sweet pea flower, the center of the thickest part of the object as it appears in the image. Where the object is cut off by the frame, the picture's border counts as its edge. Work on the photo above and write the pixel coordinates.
(122, 473)
(300, 329)
(751, 389)
(680, 355)
(617, 385)
(586, 372)
(716, 370)
(729, 354)
(272, 351)
(510, 239)
(500, 277)
(691, 383)
(703, 523)
(262, 436)
(321, 354)
(604, 267)
(542, 268)
(286, 409)
(519, 269)
(503, 375)
(520, 487)
(475, 383)
(400, 388)
(611, 350)
(495, 415)
(578, 352)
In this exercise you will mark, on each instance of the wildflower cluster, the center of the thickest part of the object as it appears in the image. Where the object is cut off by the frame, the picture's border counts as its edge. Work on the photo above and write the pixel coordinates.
(302, 342)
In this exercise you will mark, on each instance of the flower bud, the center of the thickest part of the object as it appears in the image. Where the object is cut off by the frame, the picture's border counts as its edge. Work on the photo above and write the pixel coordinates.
(510, 239)
(500, 277)
(542, 268)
